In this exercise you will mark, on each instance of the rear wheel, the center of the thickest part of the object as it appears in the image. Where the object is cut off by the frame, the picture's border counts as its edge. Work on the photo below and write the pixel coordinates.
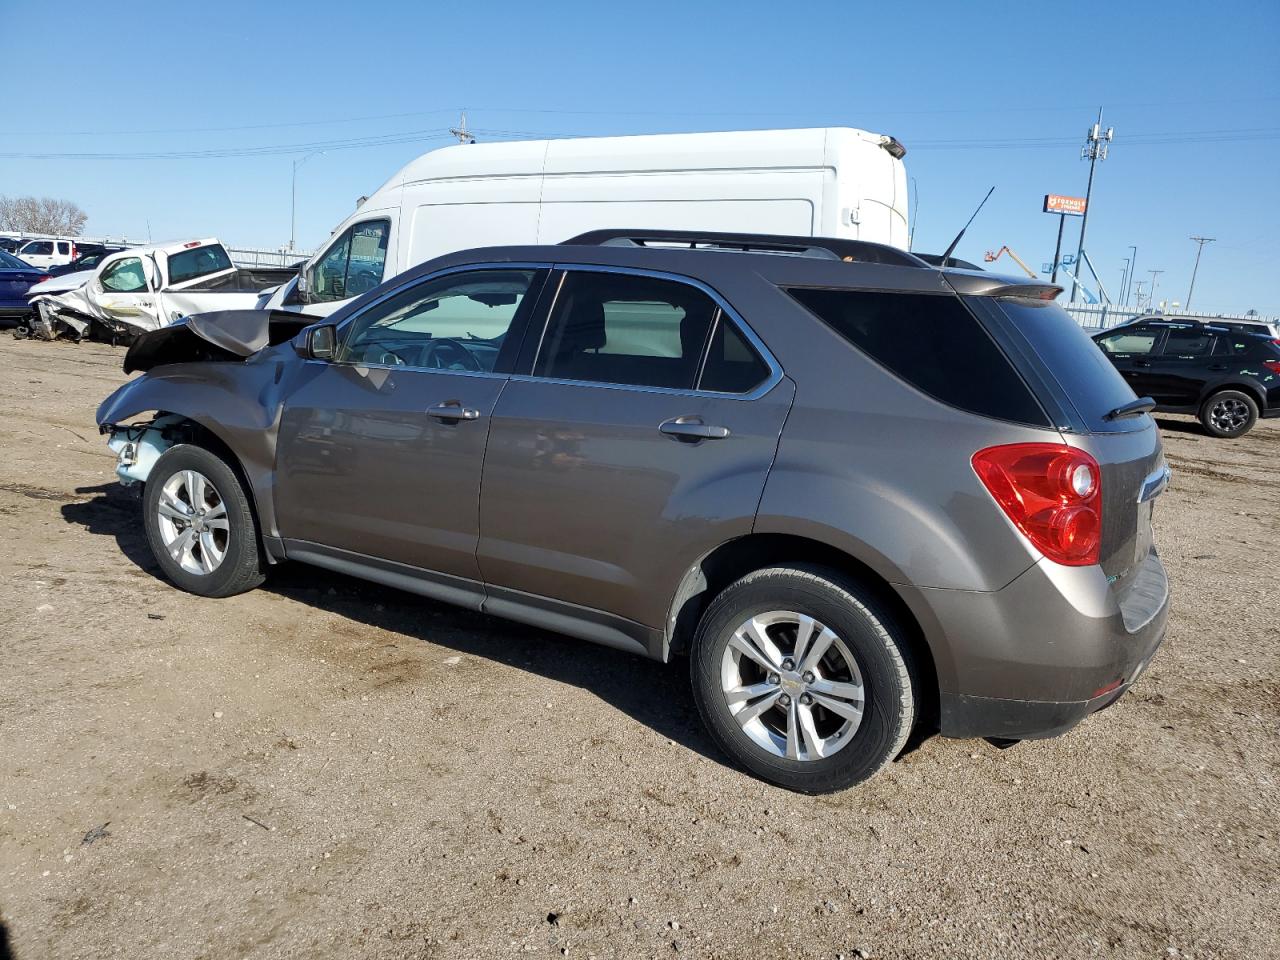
(1229, 413)
(801, 677)
(200, 525)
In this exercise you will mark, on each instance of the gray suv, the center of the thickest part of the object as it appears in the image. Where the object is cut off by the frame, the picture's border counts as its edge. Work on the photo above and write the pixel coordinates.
(863, 495)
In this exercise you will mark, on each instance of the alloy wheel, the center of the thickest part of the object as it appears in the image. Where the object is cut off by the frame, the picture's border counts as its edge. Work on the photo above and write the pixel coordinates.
(793, 685)
(1229, 414)
(193, 522)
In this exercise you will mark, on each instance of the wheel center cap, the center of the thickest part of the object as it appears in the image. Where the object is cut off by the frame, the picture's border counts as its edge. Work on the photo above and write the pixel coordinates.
(792, 686)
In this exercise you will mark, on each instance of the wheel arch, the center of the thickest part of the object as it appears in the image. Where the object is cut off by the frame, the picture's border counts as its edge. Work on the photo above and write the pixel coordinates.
(1253, 390)
(736, 558)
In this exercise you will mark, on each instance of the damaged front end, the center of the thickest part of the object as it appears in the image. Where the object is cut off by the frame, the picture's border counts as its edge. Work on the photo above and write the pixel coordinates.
(138, 446)
(224, 335)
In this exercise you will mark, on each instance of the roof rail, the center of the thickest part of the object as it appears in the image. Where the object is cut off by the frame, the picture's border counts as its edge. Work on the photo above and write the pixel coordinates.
(827, 248)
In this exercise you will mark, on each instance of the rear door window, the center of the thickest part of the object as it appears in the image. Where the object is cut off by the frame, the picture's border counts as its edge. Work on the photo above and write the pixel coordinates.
(934, 343)
(626, 329)
(1187, 344)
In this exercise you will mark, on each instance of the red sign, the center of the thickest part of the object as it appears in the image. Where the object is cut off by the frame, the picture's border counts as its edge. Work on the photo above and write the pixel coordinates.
(1071, 206)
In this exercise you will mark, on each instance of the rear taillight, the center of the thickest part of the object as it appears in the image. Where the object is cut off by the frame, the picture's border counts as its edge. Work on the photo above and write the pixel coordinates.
(1052, 493)
(1272, 365)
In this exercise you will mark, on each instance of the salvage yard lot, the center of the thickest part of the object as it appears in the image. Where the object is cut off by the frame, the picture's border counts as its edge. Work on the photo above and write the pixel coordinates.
(329, 768)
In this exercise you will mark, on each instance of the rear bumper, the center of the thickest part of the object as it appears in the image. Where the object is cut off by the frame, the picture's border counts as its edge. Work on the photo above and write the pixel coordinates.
(1036, 658)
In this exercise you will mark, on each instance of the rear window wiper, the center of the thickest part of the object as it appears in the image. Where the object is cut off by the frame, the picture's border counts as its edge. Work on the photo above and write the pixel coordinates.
(1133, 408)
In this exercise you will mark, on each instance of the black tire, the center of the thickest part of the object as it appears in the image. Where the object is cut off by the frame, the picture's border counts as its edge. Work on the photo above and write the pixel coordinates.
(1229, 414)
(240, 566)
(868, 632)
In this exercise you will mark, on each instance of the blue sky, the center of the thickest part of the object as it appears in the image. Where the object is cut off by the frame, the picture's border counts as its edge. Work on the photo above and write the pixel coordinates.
(980, 94)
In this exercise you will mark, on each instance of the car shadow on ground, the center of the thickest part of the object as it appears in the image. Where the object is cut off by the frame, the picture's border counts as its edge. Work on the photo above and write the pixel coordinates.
(657, 695)
(1192, 427)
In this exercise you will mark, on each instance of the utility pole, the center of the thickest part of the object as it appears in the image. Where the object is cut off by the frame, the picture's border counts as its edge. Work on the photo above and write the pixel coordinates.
(461, 132)
(1133, 266)
(1200, 242)
(1094, 149)
(1137, 293)
(1155, 281)
(1057, 250)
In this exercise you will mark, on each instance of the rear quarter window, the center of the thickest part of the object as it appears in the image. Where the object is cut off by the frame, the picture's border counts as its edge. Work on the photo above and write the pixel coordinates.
(197, 262)
(934, 343)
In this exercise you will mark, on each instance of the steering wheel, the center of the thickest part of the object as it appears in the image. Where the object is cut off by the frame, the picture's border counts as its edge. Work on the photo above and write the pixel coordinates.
(445, 352)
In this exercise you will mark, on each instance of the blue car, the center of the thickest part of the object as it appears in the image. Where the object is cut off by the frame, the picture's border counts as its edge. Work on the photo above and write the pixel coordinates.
(16, 278)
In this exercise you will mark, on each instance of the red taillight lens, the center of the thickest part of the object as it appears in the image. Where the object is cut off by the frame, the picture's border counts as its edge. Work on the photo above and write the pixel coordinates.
(1052, 493)
(1272, 365)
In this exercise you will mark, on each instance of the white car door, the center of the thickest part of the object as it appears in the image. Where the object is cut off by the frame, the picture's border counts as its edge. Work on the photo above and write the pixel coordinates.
(125, 290)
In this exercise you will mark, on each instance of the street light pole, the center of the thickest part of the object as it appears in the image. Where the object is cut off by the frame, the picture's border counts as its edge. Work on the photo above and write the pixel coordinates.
(293, 203)
(1200, 242)
(1155, 281)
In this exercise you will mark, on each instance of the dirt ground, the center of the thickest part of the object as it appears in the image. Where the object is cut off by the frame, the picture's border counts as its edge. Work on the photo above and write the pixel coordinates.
(326, 768)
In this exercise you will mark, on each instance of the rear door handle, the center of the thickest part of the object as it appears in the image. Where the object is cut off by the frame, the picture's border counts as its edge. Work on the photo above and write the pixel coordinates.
(1142, 363)
(452, 410)
(692, 428)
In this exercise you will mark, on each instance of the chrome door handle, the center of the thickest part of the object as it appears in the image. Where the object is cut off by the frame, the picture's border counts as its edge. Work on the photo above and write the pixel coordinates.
(452, 410)
(692, 428)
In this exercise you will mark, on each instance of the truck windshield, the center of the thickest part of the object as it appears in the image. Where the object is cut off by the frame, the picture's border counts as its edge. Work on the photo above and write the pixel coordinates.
(198, 262)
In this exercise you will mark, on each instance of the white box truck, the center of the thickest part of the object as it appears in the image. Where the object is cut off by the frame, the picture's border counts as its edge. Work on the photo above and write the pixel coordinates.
(833, 181)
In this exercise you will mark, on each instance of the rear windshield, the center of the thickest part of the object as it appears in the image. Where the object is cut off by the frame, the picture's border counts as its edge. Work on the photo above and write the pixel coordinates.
(197, 262)
(934, 343)
(1083, 371)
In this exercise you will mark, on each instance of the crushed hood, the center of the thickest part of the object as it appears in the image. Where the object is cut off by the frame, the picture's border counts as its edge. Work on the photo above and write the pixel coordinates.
(222, 335)
(61, 284)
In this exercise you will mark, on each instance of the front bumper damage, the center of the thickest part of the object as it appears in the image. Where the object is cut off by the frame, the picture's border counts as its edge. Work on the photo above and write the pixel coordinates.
(138, 446)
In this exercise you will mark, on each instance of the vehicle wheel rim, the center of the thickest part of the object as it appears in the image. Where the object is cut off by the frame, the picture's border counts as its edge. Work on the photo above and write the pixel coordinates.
(193, 522)
(792, 685)
(1229, 414)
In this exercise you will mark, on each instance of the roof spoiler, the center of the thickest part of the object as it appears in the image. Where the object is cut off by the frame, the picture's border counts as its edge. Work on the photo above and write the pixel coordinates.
(826, 248)
(1030, 291)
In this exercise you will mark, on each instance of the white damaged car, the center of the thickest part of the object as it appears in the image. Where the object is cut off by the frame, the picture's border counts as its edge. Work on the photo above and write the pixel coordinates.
(145, 288)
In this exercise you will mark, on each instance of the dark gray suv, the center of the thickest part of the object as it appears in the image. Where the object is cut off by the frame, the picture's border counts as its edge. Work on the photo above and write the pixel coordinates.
(862, 494)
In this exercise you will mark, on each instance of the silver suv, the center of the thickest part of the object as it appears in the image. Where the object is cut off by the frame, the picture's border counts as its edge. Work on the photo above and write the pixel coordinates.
(863, 495)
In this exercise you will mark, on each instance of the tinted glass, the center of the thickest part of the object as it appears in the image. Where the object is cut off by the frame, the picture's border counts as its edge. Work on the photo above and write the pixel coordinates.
(197, 262)
(732, 365)
(1187, 343)
(8, 262)
(353, 265)
(621, 328)
(1083, 371)
(1130, 342)
(455, 322)
(125, 276)
(932, 342)
(38, 248)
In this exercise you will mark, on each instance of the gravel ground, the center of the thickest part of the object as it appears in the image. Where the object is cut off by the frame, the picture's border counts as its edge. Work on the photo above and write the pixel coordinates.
(329, 768)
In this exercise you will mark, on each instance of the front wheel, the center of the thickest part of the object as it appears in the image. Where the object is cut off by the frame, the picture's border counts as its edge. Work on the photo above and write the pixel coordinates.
(802, 678)
(1229, 414)
(200, 524)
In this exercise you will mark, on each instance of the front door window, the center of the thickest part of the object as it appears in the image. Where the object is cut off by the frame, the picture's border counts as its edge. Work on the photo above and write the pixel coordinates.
(353, 265)
(125, 276)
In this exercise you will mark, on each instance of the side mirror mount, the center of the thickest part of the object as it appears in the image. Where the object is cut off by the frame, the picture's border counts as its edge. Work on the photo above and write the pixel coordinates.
(300, 288)
(317, 343)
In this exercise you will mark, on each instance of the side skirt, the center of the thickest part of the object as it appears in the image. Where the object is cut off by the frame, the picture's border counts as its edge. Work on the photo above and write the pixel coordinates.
(585, 623)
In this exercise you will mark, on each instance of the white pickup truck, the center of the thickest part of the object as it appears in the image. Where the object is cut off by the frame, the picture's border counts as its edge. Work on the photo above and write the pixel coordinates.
(144, 288)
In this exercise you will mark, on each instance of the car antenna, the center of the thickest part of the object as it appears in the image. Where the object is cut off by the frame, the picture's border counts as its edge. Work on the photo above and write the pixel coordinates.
(959, 236)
